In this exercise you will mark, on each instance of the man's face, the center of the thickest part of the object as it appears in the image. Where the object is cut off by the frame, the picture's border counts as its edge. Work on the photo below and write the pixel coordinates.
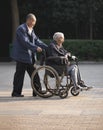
(31, 22)
(60, 40)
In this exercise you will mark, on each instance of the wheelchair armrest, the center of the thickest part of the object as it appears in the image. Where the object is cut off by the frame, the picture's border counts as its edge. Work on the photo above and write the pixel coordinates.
(55, 57)
(62, 59)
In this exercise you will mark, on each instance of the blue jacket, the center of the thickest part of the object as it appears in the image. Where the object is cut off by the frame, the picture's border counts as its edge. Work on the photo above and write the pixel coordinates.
(25, 44)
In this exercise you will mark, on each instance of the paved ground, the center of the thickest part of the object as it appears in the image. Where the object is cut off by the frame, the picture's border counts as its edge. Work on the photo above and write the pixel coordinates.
(84, 112)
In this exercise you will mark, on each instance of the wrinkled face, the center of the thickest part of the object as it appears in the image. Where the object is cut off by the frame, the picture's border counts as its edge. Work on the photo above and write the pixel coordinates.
(31, 22)
(60, 40)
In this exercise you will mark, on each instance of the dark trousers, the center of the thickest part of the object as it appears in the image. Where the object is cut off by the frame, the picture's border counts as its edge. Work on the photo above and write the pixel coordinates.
(19, 76)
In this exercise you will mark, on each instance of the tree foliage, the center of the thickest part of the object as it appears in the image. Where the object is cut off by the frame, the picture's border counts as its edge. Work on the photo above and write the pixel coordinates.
(78, 19)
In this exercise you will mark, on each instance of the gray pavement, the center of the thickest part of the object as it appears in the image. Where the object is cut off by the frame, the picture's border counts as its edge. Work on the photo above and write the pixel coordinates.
(83, 112)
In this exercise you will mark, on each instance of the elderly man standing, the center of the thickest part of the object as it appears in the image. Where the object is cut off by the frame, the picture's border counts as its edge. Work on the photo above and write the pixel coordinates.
(25, 47)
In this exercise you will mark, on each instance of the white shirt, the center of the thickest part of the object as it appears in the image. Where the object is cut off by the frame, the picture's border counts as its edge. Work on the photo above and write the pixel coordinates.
(29, 30)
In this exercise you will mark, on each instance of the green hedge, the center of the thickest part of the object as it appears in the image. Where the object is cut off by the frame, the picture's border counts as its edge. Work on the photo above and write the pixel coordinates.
(91, 50)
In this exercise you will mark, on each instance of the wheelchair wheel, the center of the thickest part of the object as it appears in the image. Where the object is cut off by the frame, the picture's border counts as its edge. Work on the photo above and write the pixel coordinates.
(49, 81)
(74, 92)
(63, 93)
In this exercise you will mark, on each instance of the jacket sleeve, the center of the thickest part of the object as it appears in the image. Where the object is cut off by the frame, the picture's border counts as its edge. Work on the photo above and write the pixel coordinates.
(40, 43)
(21, 35)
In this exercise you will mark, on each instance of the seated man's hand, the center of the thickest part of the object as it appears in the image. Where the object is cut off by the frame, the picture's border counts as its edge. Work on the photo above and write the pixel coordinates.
(68, 55)
(74, 57)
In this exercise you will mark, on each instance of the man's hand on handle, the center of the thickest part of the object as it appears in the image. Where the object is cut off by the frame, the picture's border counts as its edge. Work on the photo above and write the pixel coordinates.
(39, 49)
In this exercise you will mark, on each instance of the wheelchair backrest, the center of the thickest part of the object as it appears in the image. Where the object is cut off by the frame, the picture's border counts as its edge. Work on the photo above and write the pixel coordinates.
(56, 62)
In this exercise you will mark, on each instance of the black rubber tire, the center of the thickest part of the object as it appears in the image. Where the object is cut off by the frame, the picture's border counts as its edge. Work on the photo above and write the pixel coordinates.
(63, 93)
(73, 92)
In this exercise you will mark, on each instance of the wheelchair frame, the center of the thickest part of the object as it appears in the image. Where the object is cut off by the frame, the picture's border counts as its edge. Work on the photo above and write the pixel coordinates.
(56, 87)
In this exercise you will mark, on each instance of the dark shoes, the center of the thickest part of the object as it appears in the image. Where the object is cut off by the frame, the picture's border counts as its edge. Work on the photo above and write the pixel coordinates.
(17, 95)
(83, 86)
(20, 95)
(88, 88)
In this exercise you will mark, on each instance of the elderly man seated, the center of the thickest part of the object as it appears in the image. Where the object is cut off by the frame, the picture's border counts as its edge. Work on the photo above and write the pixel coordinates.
(56, 49)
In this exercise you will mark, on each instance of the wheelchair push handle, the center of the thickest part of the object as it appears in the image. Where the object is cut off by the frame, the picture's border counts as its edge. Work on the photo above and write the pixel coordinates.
(43, 52)
(43, 57)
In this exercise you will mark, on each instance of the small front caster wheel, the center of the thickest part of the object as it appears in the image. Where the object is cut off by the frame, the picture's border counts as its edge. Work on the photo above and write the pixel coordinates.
(63, 93)
(74, 92)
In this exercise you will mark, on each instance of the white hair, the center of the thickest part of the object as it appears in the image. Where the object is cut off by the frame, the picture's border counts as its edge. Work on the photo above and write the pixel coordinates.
(57, 35)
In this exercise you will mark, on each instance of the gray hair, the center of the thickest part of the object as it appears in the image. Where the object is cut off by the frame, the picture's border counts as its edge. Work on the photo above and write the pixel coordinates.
(57, 35)
(30, 16)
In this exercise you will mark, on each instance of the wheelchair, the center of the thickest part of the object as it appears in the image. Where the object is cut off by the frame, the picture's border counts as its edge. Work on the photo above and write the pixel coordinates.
(53, 78)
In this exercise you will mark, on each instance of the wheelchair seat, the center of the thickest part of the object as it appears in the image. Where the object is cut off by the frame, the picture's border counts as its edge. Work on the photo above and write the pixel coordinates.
(60, 67)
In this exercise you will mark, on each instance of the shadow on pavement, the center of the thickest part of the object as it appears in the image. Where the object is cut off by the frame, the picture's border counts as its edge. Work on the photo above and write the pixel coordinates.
(27, 98)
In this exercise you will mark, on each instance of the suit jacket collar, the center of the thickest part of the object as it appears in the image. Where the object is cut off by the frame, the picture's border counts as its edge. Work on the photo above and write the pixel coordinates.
(28, 29)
